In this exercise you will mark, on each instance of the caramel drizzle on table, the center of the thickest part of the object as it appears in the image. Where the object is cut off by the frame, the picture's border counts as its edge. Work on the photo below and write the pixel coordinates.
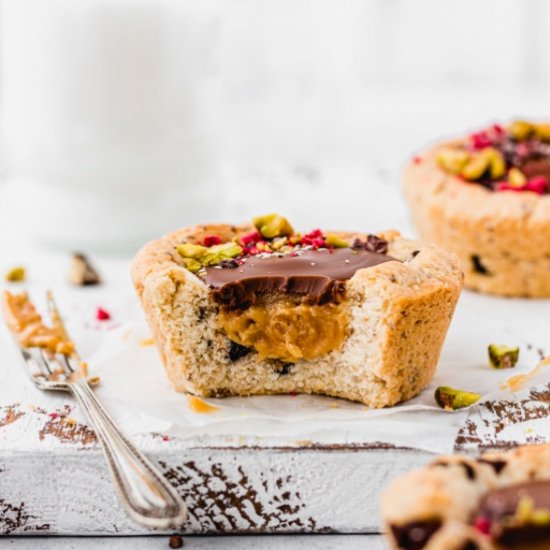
(27, 325)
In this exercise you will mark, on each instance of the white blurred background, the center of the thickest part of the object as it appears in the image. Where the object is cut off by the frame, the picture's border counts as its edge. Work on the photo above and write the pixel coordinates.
(123, 119)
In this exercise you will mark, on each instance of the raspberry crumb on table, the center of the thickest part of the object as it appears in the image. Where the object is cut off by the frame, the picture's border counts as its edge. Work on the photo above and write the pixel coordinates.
(102, 314)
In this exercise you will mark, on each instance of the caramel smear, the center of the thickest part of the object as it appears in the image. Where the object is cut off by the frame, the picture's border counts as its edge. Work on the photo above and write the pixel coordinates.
(145, 342)
(517, 382)
(197, 405)
(286, 330)
(27, 325)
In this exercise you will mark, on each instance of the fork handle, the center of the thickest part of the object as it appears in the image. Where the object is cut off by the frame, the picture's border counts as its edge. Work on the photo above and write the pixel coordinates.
(145, 493)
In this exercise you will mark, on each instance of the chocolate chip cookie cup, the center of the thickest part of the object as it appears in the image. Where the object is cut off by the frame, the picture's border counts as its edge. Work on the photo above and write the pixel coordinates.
(499, 501)
(260, 309)
(486, 198)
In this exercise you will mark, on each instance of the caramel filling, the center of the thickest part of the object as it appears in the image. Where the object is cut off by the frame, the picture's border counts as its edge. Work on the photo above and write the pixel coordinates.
(286, 330)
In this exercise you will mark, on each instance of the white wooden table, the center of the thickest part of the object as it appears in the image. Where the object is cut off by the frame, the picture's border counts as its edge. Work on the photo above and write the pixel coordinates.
(288, 542)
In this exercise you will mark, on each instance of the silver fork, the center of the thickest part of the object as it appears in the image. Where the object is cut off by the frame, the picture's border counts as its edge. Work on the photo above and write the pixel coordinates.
(145, 494)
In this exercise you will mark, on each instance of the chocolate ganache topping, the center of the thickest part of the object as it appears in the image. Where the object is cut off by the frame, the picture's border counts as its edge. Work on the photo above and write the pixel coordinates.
(319, 275)
(512, 524)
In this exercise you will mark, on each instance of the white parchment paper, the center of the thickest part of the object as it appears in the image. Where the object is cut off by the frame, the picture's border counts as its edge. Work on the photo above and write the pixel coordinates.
(136, 390)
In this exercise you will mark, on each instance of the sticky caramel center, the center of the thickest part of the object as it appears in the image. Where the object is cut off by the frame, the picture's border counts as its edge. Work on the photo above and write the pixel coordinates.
(288, 331)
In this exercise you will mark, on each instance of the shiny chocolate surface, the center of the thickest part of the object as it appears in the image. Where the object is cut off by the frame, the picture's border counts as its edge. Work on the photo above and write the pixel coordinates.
(318, 275)
(500, 508)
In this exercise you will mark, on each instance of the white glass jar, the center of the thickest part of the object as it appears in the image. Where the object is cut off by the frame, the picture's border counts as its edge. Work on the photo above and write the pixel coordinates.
(107, 117)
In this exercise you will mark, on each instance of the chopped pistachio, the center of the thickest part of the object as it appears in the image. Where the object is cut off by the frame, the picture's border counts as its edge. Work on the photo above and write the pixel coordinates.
(543, 132)
(475, 167)
(516, 178)
(273, 225)
(263, 247)
(278, 243)
(540, 517)
(524, 509)
(497, 164)
(452, 399)
(16, 275)
(218, 253)
(520, 130)
(195, 251)
(192, 265)
(335, 241)
(452, 160)
(295, 239)
(503, 357)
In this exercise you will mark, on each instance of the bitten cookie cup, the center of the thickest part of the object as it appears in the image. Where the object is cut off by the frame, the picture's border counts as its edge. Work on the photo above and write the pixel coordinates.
(500, 501)
(260, 309)
(485, 198)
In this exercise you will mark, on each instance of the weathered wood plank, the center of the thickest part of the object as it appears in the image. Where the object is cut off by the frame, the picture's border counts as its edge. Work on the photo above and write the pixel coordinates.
(227, 490)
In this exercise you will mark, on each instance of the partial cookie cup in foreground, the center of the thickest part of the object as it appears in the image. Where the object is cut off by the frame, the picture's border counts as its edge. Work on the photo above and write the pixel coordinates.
(386, 322)
(497, 223)
(499, 501)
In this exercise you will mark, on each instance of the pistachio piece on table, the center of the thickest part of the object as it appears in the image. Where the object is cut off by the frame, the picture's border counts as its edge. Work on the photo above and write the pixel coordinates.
(82, 272)
(503, 357)
(452, 160)
(520, 130)
(453, 399)
(16, 275)
(476, 167)
(516, 178)
(273, 225)
(335, 241)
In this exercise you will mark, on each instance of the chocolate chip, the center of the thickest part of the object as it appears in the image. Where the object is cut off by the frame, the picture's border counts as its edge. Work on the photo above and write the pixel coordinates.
(497, 465)
(175, 541)
(477, 266)
(376, 244)
(469, 471)
(414, 535)
(236, 351)
(414, 254)
(229, 264)
(358, 245)
(284, 368)
(469, 545)
(82, 272)
(371, 244)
